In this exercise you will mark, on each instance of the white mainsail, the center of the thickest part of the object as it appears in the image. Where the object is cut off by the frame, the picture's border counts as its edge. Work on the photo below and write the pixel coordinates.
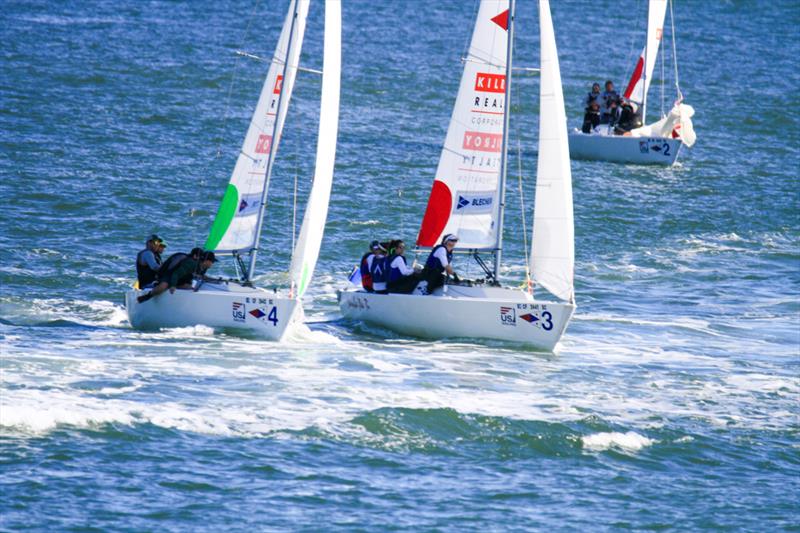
(235, 227)
(464, 198)
(553, 248)
(639, 83)
(306, 252)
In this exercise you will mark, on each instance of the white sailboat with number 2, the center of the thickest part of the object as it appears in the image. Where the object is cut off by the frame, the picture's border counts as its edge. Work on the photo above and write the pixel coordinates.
(652, 144)
(467, 199)
(235, 303)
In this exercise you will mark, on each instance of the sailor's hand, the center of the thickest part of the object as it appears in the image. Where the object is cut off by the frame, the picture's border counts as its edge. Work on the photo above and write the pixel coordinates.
(172, 290)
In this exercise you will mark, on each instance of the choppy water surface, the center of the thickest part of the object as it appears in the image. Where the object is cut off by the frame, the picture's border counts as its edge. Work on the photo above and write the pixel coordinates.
(672, 403)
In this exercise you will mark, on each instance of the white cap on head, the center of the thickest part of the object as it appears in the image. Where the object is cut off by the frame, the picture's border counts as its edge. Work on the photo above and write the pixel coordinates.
(449, 237)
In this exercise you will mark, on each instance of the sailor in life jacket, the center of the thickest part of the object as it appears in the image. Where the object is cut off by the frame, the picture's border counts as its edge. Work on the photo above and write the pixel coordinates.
(148, 261)
(365, 266)
(593, 96)
(379, 270)
(402, 278)
(178, 271)
(439, 262)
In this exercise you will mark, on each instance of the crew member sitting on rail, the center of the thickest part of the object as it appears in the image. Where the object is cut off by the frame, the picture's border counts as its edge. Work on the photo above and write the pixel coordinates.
(148, 261)
(593, 96)
(439, 262)
(402, 278)
(592, 117)
(366, 265)
(379, 270)
(608, 107)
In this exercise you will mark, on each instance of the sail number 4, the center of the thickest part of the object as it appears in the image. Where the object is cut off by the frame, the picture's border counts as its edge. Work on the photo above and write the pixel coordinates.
(265, 316)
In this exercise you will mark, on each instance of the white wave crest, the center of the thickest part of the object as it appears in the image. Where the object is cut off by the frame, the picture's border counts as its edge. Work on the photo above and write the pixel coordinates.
(629, 442)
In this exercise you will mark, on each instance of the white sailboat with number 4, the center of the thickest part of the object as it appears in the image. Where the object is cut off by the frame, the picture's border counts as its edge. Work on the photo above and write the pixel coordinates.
(235, 303)
(652, 144)
(467, 199)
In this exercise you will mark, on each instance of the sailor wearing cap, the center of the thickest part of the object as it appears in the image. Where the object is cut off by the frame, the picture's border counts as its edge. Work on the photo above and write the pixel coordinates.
(379, 268)
(365, 267)
(148, 261)
(440, 261)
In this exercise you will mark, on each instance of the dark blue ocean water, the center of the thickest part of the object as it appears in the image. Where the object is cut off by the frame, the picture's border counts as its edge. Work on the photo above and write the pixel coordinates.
(672, 403)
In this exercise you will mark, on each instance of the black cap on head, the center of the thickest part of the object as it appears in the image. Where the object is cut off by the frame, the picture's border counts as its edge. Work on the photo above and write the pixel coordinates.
(208, 256)
(374, 245)
(154, 238)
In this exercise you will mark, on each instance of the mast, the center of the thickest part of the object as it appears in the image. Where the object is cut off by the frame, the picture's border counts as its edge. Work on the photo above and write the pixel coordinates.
(504, 150)
(644, 70)
(272, 149)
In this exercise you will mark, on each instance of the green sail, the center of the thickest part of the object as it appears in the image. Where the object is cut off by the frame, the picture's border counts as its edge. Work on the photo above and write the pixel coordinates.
(227, 209)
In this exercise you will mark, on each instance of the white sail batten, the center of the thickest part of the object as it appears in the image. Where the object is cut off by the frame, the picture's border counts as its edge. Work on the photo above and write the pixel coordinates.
(235, 228)
(306, 252)
(553, 246)
(464, 199)
(641, 77)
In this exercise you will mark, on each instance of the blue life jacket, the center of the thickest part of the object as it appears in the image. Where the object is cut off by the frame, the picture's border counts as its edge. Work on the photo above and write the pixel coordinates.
(380, 270)
(394, 272)
(366, 277)
(433, 263)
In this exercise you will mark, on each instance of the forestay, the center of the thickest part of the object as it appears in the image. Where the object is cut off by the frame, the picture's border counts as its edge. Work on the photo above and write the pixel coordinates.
(553, 248)
(236, 225)
(306, 251)
(639, 83)
(464, 198)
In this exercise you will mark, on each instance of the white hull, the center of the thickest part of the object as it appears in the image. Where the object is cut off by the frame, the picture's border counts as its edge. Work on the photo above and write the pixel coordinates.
(467, 312)
(620, 149)
(218, 305)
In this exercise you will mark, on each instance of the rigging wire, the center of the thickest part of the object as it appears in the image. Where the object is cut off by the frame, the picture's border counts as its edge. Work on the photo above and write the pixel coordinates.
(675, 53)
(294, 221)
(663, 62)
(632, 53)
(468, 37)
(528, 282)
(236, 66)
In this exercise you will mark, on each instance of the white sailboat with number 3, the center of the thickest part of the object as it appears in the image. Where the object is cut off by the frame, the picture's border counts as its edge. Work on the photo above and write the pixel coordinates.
(467, 199)
(235, 303)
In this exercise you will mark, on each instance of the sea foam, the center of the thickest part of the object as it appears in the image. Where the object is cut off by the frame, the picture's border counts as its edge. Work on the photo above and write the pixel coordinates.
(629, 442)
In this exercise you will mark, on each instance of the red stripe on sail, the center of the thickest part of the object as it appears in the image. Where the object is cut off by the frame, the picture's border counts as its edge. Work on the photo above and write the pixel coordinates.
(637, 75)
(502, 20)
(437, 214)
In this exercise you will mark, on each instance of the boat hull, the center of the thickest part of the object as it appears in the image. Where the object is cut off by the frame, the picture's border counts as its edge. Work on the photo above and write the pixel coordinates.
(468, 312)
(227, 306)
(620, 149)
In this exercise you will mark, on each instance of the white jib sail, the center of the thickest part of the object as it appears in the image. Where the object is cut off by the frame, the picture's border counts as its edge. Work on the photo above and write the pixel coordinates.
(234, 228)
(464, 198)
(638, 84)
(553, 248)
(306, 252)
